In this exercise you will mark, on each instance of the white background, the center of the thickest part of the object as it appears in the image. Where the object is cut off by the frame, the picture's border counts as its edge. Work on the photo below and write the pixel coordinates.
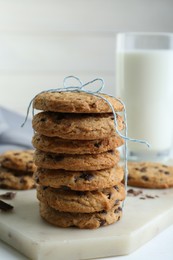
(42, 41)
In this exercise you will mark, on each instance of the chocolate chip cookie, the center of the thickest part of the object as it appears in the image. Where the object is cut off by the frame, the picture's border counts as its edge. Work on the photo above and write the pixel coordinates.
(76, 126)
(75, 102)
(17, 180)
(81, 201)
(84, 162)
(81, 181)
(58, 145)
(18, 160)
(150, 175)
(80, 220)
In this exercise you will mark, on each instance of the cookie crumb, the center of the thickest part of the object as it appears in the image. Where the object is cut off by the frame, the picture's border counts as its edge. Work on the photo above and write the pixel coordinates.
(8, 195)
(5, 206)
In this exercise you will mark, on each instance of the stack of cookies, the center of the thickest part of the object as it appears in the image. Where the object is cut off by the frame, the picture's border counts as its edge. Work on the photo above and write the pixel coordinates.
(16, 170)
(79, 182)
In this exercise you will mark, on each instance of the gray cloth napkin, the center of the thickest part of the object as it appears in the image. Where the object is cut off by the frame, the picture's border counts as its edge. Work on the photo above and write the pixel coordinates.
(12, 135)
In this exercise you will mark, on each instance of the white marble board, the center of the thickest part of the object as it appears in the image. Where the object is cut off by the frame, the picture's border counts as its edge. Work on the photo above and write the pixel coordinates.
(142, 219)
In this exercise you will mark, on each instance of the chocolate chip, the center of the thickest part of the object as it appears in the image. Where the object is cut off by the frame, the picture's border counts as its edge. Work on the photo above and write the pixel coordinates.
(5, 206)
(98, 144)
(160, 170)
(59, 117)
(116, 188)
(102, 222)
(63, 187)
(117, 211)
(55, 157)
(103, 212)
(163, 165)
(134, 192)
(43, 119)
(111, 152)
(16, 153)
(44, 187)
(6, 160)
(86, 176)
(80, 193)
(143, 169)
(149, 197)
(37, 180)
(93, 105)
(109, 195)
(119, 208)
(8, 195)
(137, 169)
(23, 181)
(166, 172)
(116, 202)
(118, 218)
(59, 158)
(145, 178)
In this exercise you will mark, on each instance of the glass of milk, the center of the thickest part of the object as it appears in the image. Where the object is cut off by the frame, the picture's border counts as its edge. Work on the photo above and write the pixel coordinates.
(144, 81)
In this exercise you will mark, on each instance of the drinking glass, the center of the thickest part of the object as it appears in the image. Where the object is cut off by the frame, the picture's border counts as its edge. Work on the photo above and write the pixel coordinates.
(144, 81)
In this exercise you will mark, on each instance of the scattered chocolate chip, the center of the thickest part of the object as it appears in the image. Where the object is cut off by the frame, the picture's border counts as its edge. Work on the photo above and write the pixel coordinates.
(8, 195)
(5, 206)
(134, 192)
(142, 198)
(149, 197)
(86, 176)
(145, 178)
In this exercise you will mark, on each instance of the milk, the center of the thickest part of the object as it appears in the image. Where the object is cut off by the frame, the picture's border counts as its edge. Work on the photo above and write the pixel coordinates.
(145, 84)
